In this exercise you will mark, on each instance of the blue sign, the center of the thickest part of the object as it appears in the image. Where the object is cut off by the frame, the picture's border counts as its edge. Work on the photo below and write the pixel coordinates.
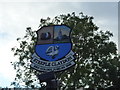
(53, 42)
(53, 47)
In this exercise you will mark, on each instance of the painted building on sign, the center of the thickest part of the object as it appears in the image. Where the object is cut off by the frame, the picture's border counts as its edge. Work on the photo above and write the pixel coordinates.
(60, 35)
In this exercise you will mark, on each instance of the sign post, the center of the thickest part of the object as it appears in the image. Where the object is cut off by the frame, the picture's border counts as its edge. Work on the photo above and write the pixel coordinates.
(50, 79)
(53, 53)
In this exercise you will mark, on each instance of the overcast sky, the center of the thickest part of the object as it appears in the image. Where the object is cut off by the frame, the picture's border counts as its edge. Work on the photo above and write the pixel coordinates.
(16, 16)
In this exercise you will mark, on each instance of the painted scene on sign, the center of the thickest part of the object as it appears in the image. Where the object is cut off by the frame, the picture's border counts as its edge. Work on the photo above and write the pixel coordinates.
(61, 34)
(45, 35)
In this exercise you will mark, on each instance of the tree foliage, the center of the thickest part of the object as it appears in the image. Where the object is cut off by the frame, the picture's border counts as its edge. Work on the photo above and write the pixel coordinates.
(97, 61)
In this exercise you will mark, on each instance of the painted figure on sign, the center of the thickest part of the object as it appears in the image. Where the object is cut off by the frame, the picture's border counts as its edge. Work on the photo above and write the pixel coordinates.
(52, 51)
(45, 36)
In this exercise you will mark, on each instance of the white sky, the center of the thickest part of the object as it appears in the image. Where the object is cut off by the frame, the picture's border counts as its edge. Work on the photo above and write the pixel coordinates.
(16, 15)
